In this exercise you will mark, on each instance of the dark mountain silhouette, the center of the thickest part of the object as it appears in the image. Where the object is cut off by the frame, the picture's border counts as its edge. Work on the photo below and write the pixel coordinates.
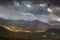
(18, 22)
(54, 30)
(24, 21)
(4, 31)
(7, 33)
(3, 21)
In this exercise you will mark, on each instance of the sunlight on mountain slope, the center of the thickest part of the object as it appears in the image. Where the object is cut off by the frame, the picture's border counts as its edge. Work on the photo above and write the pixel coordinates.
(13, 29)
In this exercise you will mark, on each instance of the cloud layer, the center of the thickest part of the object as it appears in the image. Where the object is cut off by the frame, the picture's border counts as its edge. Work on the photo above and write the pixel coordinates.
(28, 11)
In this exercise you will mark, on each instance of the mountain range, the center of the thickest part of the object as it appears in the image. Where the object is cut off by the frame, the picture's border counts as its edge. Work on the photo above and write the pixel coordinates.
(37, 28)
(34, 25)
(6, 33)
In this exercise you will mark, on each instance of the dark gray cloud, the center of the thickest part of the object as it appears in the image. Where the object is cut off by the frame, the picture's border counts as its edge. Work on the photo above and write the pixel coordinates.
(26, 10)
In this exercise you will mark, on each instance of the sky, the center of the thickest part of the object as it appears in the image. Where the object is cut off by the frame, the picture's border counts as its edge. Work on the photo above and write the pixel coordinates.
(26, 10)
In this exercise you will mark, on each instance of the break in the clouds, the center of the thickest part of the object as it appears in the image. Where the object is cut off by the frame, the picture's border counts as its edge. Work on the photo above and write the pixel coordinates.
(28, 11)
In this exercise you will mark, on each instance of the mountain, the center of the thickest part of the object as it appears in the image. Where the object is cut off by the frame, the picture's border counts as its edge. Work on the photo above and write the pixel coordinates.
(23, 24)
(7, 33)
(26, 22)
(54, 30)
(4, 32)
(3, 21)
(28, 25)
(33, 26)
